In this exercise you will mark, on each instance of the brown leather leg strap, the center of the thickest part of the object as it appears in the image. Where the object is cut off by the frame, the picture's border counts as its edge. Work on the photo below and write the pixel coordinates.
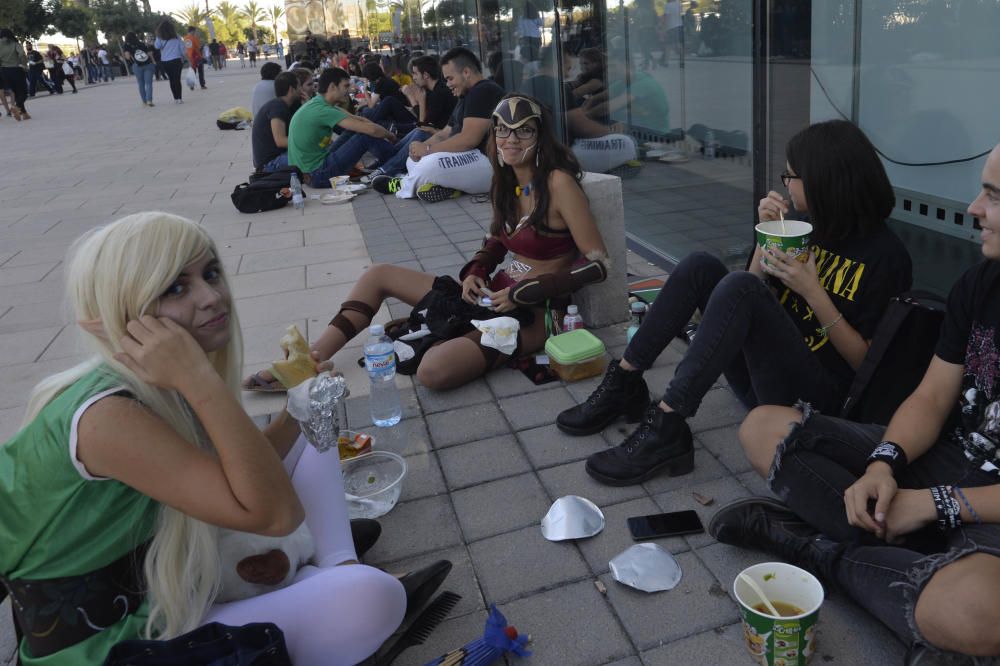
(345, 325)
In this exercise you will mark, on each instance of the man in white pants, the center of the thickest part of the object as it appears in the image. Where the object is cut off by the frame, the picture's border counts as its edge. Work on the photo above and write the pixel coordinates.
(452, 160)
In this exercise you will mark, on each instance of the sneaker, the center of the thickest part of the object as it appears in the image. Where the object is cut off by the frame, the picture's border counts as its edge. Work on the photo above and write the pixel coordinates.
(630, 169)
(620, 393)
(179, 101)
(432, 193)
(661, 443)
(150, 104)
(369, 178)
(387, 184)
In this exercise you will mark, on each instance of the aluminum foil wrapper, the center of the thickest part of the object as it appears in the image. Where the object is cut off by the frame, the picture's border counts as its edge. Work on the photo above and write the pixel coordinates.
(572, 517)
(317, 404)
(647, 567)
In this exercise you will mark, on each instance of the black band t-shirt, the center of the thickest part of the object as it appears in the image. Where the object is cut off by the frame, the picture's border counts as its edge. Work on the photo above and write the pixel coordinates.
(861, 276)
(262, 138)
(969, 337)
(479, 102)
(387, 87)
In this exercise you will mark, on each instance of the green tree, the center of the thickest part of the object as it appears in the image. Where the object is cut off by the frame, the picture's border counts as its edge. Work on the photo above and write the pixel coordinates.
(72, 20)
(263, 34)
(192, 14)
(230, 24)
(275, 13)
(253, 13)
(26, 18)
(116, 17)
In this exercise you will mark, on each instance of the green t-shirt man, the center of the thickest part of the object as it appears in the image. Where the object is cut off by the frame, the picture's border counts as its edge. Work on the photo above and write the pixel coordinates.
(649, 102)
(309, 134)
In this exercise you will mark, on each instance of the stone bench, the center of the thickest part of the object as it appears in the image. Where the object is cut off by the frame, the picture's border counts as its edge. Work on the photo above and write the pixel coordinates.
(606, 303)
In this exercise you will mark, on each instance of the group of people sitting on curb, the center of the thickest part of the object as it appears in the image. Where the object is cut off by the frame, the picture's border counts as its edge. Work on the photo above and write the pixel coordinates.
(428, 137)
(132, 460)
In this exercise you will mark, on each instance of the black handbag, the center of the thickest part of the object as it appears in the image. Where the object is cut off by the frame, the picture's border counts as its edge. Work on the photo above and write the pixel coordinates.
(259, 644)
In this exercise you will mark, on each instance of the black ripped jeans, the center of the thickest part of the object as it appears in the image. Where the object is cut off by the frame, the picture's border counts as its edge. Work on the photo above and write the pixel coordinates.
(744, 334)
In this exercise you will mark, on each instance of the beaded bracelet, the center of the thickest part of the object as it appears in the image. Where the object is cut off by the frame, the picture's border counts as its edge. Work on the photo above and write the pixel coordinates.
(890, 453)
(968, 505)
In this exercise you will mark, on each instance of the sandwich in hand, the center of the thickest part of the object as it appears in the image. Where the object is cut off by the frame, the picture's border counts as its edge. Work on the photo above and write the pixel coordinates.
(299, 365)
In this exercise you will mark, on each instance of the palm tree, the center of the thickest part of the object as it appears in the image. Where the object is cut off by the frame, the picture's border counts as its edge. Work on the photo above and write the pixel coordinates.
(231, 20)
(252, 11)
(192, 14)
(277, 11)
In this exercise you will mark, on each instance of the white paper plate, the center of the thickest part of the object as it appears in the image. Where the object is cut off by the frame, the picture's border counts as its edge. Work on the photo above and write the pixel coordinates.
(336, 197)
(657, 154)
(674, 157)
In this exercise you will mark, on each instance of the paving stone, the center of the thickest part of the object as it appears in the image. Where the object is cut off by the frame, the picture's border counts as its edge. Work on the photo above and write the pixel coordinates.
(841, 640)
(359, 414)
(754, 484)
(554, 619)
(446, 264)
(458, 426)
(462, 578)
(486, 460)
(548, 446)
(380, 256)
(446, 249)
(408, 437)
(616, 538)
(520, 563)
(706, 468)
(416, 527)
(726, 562)
(535, 409)
(697, 604)
(719, 408)
(473, 393)
(423, 477)
(500, 506)
(720, 491)
(27, 346)
(721, 645)
(572, 479)
(724, 443)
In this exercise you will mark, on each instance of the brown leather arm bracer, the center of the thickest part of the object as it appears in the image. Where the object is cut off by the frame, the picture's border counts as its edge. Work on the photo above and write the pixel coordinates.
(536, 289)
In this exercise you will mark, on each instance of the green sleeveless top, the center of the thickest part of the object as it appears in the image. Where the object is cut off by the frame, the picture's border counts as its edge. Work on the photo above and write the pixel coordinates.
(56, 519)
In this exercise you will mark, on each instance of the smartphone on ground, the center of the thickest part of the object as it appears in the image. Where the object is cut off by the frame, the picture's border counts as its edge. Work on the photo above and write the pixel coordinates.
(661, 525)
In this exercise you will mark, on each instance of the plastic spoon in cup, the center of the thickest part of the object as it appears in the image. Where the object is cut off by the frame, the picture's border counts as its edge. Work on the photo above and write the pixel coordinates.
(760, 593)
(781, 217)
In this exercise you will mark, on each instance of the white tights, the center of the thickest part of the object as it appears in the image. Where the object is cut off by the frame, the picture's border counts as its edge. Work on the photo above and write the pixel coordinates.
(330, 615)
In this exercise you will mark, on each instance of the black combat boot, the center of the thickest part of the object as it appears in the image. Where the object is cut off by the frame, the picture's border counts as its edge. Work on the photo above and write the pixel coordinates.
(768, 525)
(661, 443)
(620, 393)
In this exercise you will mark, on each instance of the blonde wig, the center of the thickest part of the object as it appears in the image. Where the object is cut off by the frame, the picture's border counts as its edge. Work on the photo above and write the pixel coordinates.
(117, 273)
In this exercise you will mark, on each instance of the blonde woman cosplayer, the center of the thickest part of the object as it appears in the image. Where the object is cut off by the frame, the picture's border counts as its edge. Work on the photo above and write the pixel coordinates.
(128, 462)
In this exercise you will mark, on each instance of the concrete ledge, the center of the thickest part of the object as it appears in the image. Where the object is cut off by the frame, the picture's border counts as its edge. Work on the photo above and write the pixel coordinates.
(606, 303)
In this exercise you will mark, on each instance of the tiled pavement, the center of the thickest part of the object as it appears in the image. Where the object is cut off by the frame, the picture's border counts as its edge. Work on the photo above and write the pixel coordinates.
(485, 461)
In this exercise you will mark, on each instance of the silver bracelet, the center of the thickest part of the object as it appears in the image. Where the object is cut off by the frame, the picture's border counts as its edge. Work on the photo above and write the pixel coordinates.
(824, 330)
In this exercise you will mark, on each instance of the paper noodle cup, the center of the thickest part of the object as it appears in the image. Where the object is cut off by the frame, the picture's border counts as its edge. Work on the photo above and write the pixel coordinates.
(780, 641)
(792, 239)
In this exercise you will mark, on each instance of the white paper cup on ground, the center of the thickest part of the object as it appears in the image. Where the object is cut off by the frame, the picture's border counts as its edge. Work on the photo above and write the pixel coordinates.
(780, 641)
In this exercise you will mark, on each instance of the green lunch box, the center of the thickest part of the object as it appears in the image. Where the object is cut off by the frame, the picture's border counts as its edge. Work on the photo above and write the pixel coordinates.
(576, 355)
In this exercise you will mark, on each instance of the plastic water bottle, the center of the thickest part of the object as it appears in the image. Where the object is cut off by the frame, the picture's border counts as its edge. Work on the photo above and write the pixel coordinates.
(380, 361)
(298, 200)
(638, 310)
(572, 320)
(710, 144)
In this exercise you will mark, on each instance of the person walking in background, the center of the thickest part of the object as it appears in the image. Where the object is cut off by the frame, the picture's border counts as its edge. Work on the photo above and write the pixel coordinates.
(241, 52)
(143, 66)
(213, 52)
(107, 70)
(54, 59)
(13, 65)
(223, 55)
(36, 65)
(193, 47)
(171, 56)
(89, 65)
(252, 51)
(68, 70)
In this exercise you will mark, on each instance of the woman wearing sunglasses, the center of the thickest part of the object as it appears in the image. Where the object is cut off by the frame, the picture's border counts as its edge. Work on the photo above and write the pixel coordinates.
(542, 232)
(781, 331)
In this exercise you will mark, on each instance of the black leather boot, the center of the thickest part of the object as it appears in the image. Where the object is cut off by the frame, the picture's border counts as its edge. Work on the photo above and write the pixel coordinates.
(620, 393)
(768, 525)
(661, 443)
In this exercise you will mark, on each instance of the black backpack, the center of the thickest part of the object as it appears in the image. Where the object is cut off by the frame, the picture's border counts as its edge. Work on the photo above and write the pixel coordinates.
(264, 191)
(897, 359)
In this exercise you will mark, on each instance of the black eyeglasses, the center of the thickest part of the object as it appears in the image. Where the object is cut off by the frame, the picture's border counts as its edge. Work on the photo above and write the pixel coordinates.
(787, 178)
(523, 132)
